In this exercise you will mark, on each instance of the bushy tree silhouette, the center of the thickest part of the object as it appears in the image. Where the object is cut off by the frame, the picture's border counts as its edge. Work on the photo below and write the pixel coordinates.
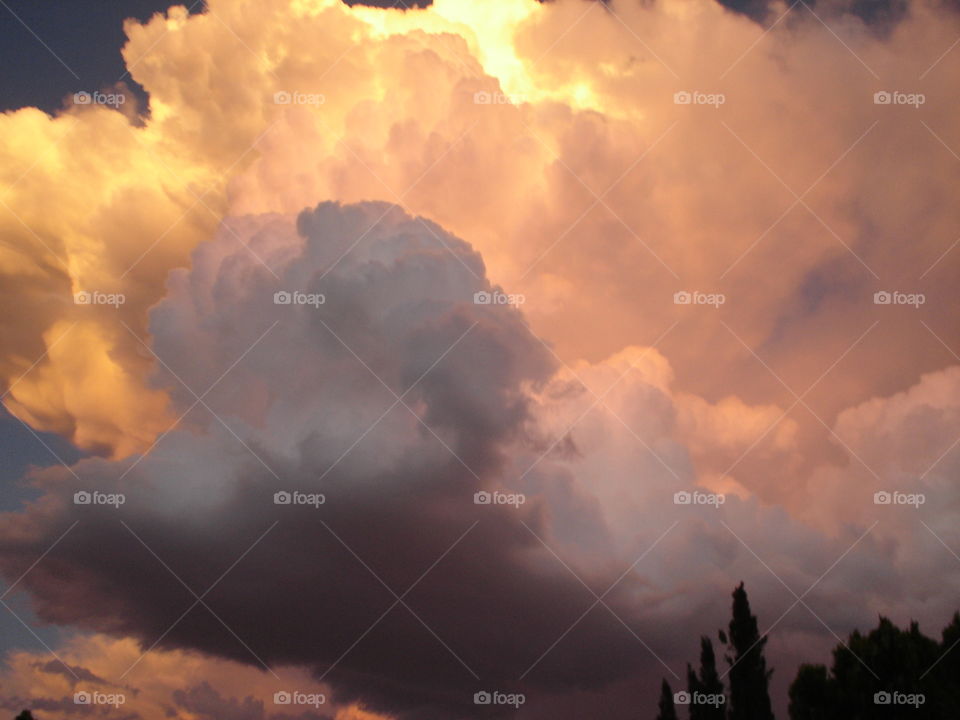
(948, 669)
(25, 715)
(877, 675)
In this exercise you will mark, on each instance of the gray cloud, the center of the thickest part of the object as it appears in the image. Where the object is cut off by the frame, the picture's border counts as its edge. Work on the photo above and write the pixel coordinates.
(310, 404)
(398, 307)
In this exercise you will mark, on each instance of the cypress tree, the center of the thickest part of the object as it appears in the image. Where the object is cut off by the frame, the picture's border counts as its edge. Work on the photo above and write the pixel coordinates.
(667, 710)
(708, 683)
(749, 677)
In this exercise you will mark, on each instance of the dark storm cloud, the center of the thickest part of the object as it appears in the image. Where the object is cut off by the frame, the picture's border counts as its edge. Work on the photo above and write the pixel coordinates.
(63, 707)
(76, 672)
(408, 4)
(203, 702)
(879, 14)
(485, 600)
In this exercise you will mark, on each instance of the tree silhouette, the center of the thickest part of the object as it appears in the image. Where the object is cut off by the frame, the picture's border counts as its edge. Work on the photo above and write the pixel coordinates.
(948, 669)
(888, 674)
(749, 677)
(886, 661)
(667, 710)
(707, 683)
(812, 696)
(25, 715)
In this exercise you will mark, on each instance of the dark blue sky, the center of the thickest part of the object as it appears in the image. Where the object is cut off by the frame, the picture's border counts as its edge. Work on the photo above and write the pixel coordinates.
(49, 50)
(19, 450)
(86, 35)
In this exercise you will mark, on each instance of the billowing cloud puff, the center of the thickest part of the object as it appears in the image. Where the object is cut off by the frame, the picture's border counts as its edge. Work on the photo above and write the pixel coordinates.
(367, 373)
(456, 112)
(363, 374)
(901, 447)
(688, 236)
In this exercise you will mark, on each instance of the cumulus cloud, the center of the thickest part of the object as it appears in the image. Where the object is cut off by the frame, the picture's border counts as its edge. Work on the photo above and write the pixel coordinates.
(398, 312)
(381, 384)
(539, 152)
(454, 113)
(398, 320)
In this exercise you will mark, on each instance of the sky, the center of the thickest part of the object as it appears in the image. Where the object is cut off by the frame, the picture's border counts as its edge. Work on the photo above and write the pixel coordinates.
(373, 358)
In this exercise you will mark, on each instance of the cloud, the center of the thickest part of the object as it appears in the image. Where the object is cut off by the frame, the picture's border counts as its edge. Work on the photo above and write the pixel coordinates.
(381, 384)
(399, 309)
(174, 684)
(393, 115)
(478, 401)
(459, 150)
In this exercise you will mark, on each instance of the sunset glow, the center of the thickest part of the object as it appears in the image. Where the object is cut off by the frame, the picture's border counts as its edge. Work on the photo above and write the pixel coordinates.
(398, 356)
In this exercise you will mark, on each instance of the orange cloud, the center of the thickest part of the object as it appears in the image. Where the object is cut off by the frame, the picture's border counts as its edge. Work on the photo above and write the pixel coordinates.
(667, 184)
(165, 684)
(546, 135)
